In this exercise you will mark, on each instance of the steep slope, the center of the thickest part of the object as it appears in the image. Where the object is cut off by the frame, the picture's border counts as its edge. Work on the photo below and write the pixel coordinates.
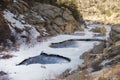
(28, 20)
(105, 11)
(5, 32)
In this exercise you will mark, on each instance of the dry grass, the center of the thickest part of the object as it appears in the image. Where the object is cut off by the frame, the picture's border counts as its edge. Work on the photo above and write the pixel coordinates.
(106, 11)
(117, 43)
(110, 74)
(6, 56)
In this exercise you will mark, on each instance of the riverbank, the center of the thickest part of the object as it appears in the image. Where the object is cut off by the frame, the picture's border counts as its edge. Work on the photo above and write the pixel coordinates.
(72, 50)
(100, 63)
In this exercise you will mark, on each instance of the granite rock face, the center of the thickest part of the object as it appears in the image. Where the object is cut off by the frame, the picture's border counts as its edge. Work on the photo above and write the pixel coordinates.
(115, 33)
(56, 20)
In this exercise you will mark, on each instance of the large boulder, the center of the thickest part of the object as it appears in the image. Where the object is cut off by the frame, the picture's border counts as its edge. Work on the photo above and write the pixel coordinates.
(115, 33)
(113, 51)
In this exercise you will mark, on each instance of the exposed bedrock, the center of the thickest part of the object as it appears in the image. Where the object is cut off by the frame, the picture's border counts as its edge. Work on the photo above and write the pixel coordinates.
(48, 20)
(54, 19)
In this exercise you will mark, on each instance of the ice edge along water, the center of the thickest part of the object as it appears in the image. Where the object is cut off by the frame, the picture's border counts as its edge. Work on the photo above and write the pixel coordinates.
(48, 71)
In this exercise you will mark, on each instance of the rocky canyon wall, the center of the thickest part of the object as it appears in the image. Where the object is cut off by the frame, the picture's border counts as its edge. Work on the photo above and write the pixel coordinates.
(22, 19)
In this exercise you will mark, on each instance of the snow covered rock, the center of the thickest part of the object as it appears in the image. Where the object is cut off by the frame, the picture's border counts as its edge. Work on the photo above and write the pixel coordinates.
(3, 76)
(54, 19)
(5, 32)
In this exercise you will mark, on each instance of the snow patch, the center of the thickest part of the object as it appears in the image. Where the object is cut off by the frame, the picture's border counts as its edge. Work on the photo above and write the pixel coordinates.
(47, 71)
(17, 22)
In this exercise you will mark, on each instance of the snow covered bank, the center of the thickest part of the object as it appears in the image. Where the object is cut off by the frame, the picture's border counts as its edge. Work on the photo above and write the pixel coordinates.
(46, 71)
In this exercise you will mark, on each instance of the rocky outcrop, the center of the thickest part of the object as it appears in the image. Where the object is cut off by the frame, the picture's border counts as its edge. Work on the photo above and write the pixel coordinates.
(106, 55)
(45, 17)
(18, 7)
(103, 55)
(103, 59)
(33, 19)
(5, 32)
(115, 33)
(55, 20)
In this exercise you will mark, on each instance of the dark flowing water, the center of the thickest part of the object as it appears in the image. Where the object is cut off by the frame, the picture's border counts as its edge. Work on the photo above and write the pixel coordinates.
(64, 44)
(44, 58)
(71, 43)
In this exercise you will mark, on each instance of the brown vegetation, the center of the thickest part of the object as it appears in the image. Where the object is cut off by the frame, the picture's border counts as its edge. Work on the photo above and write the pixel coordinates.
(6, 56)
(112, 73)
